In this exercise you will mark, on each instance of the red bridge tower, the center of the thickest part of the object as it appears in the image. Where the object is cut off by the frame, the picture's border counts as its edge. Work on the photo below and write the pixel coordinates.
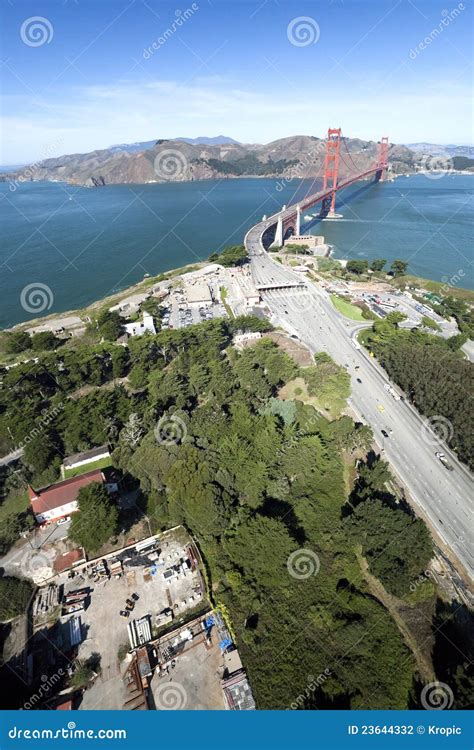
(331, 170)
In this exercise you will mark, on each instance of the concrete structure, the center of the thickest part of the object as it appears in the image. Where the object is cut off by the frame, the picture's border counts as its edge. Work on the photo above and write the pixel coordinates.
(241, 339)
(60, 500)
(306, 240)
(198, 293)
(130, 305)
(140, 327)
(69, 325)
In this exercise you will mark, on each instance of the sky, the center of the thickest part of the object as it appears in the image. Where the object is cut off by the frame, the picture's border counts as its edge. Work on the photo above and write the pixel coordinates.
(80, 75)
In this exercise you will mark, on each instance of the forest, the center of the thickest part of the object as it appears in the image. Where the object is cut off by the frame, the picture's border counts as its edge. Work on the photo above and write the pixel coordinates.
(285, 504)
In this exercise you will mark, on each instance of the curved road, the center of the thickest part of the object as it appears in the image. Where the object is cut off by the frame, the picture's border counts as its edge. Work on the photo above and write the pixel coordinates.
(441, 496)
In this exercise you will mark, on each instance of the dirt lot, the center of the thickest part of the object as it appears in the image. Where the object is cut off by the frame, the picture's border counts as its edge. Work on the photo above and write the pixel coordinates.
(297, 351)
(194, 682)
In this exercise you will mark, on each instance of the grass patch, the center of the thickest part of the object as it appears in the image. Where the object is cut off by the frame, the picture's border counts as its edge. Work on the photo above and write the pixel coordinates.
(14, 504)
(347, 309)
(101, 463)
(223, 291)
(329, 401)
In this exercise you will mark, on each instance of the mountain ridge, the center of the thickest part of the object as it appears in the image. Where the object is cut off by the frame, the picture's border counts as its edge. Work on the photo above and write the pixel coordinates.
(175, 160)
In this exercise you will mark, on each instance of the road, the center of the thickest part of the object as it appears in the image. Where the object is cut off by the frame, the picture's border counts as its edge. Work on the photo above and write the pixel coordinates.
(29, 555)
(442, 496)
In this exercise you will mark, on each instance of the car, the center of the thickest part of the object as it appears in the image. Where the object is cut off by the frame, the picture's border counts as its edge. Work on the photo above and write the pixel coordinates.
(124, 613)
(359, 380)
(384, 433)
(387, 386)
(441, 457)
(286, 312)
(60, 521)
(135, 597)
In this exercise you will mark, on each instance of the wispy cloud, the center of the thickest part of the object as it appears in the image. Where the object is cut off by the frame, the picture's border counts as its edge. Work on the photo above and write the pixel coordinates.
(89, 117)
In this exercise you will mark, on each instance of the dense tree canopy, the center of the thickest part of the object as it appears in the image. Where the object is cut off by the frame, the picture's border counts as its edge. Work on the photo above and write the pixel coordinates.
(438, 380)
(96, 520)
(15, 594)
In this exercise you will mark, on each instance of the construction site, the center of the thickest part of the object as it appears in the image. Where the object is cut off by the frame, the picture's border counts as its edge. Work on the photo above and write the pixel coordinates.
(135, 630)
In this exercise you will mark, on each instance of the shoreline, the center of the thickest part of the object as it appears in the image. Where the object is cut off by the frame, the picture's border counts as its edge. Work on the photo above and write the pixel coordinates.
(175, 273)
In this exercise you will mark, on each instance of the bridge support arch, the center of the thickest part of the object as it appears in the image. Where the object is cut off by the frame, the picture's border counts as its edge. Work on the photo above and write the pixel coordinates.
(278, 241)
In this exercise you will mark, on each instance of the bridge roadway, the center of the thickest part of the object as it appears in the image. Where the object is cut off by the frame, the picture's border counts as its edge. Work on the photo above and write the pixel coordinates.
(441, 496)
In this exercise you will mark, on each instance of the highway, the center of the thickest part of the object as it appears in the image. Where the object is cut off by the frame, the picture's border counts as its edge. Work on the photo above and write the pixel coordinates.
(442, 496)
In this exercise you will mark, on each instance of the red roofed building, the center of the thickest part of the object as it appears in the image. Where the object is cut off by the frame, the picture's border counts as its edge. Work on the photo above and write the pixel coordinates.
(59, 500)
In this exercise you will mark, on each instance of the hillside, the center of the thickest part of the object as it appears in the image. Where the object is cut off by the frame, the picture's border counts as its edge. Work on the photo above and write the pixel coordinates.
(180, 161)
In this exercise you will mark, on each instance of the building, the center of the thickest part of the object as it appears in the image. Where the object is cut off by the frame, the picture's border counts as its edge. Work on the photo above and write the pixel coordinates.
(198, 293)
(237, 692)
(86, 457)
(140, 327)
(306, 240)
(60, 500)
(69, 560)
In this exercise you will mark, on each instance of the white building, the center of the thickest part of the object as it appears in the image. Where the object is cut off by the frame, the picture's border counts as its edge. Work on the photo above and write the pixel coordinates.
(140, 327)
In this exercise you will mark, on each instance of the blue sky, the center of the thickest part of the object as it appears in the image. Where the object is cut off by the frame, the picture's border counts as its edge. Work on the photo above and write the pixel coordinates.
(249, 69)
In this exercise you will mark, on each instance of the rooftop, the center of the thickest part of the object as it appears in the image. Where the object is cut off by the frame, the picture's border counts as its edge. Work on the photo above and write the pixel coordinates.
(61, 493)
(101, 450)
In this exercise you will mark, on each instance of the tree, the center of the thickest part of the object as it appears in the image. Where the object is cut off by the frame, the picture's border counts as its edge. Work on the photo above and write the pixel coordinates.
(397, 545)
(357, 266)
(399, 267)
(233, 255)
(96, 521)
(14, 597)
(17, 341)
(430, 323)
(44, 341)
(109, 325)
(378, 264)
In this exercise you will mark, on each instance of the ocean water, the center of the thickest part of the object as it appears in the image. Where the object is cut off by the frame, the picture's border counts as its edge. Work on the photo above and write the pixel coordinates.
(80, 244)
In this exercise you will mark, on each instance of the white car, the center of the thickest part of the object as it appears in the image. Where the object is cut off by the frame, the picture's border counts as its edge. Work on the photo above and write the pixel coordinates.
(60, 521)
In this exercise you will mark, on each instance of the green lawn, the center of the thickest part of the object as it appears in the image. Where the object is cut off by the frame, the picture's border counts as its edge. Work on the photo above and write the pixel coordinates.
(346, 308)
(101, 463)
(14, 504)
